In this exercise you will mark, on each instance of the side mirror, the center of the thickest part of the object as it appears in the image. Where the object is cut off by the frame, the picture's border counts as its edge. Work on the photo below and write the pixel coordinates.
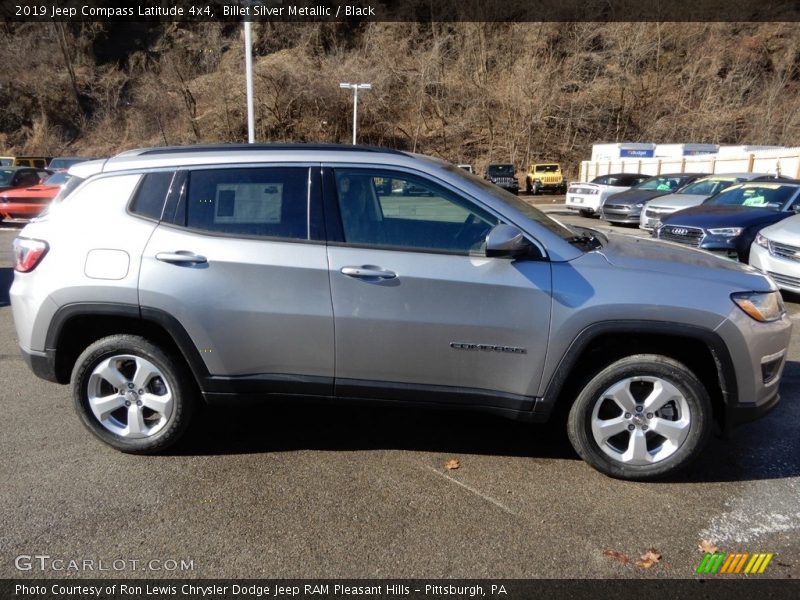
(507, 241)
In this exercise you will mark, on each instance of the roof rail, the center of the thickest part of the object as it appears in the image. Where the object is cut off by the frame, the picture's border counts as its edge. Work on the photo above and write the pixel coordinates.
(256, 148)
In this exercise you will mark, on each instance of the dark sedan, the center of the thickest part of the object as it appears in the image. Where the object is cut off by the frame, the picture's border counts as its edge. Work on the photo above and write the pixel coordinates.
(626, 207)
(728, 222)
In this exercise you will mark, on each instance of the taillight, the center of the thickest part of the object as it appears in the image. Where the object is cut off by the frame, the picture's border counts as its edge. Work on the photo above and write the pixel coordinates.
(28, 253)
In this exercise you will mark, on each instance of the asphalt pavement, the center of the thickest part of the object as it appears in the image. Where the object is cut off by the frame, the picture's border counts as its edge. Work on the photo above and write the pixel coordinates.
(325, 491)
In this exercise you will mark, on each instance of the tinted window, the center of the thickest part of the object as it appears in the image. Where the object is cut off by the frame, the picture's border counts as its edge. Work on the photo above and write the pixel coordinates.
(26, 178)
(271, 202)
(546, 168)
(149, 198)
(57, 179)
(5, 176)
(707, 187)
(398, 210)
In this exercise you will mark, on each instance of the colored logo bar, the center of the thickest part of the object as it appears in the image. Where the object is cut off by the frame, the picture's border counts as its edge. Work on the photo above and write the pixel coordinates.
(742, 562)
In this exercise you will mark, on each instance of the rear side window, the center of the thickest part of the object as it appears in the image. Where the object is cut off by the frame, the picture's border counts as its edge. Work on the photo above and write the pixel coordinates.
(149, 199)
(262, 202)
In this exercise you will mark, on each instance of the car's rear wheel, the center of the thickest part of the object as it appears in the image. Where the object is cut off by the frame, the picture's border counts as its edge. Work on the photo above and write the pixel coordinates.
(131, 394)
(642, 417)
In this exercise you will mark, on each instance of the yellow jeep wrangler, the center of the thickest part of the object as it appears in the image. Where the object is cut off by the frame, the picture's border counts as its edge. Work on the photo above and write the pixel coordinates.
(545, 176)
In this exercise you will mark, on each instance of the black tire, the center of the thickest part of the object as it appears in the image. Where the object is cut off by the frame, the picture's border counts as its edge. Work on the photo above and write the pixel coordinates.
(536, 189)
(585, 213)
(173, 377)
(528, 187)
(594, 395)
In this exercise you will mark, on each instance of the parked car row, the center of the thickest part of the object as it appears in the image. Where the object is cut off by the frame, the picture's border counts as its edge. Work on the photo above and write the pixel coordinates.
(749, 217)
(25, 191)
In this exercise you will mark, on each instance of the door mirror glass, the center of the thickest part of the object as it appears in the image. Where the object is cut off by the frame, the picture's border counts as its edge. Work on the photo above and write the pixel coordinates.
(507, 241)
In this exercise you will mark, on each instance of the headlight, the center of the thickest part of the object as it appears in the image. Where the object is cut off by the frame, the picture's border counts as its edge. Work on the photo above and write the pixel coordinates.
(726, 231)
(762, 241)
(761, 306)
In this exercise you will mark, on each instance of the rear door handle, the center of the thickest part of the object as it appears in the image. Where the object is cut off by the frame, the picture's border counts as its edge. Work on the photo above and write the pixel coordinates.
(368, 272)
(181, 257)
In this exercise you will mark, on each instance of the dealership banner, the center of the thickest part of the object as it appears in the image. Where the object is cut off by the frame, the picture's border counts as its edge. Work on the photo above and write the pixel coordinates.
(401, 10)
(411, 589)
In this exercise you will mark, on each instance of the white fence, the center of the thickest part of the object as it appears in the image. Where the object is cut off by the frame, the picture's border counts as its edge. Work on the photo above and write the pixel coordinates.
(785, 161)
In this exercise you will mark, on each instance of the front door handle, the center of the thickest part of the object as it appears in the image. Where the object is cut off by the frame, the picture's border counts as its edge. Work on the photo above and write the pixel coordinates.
(368, 272)
(181, 257)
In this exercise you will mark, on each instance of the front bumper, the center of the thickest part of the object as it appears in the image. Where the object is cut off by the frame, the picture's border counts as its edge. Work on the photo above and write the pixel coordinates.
(758, 353)
(621, 213)
(20, 211)
(511, 187)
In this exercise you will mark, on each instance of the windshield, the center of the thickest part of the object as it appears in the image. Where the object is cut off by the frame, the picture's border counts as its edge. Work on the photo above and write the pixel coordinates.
(708, 187)
(57, 179)
(515, 202)
(662, 183)
(772, 196)
(5, 176)
(6, 162)
(67, 188)
(546, 168)
(501, 169)
(621, 180)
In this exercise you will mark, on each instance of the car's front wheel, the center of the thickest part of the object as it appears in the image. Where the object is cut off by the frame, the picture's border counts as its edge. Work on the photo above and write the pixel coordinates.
(131, 394)
(642, 417)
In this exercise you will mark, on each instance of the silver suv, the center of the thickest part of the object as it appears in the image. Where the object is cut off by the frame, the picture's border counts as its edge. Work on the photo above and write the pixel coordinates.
(170, 276)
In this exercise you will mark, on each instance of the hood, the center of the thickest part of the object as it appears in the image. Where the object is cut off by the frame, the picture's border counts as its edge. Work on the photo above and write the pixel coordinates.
(645, 254)
(36, 191)
(786, 231)
(678, 201)
(634, 196)
(708, 216)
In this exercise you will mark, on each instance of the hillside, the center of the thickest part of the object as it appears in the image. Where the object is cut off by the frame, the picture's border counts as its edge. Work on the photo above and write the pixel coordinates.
(468, 92)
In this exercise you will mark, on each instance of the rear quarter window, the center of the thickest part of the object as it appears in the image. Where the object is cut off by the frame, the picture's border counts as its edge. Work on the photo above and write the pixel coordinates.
(149, 198)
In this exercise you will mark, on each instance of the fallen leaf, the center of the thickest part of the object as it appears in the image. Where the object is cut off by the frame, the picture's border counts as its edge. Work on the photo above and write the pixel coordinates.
(616, 556)
(648, 559)
(452, 464)
(707, 546)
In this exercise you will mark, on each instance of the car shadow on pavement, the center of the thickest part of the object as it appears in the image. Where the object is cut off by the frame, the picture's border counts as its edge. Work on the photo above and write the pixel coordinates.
(6, 277)
(280, 427)
(766, 449)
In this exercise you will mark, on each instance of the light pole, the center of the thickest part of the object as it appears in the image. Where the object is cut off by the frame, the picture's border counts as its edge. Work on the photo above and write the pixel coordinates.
(248, 68)
(355, 87)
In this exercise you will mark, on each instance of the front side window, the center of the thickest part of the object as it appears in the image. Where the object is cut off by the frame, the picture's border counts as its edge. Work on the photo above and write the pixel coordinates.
(262, 202)
(405, 211)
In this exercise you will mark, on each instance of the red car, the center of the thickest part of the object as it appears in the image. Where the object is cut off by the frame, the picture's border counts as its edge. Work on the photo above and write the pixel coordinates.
(25, 203)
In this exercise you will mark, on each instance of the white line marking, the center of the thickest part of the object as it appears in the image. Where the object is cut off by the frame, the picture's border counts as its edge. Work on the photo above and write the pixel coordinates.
(497, 503)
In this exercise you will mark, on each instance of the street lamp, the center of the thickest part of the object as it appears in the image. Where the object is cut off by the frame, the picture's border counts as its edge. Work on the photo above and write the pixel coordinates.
(355, 87)
(248, 69)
